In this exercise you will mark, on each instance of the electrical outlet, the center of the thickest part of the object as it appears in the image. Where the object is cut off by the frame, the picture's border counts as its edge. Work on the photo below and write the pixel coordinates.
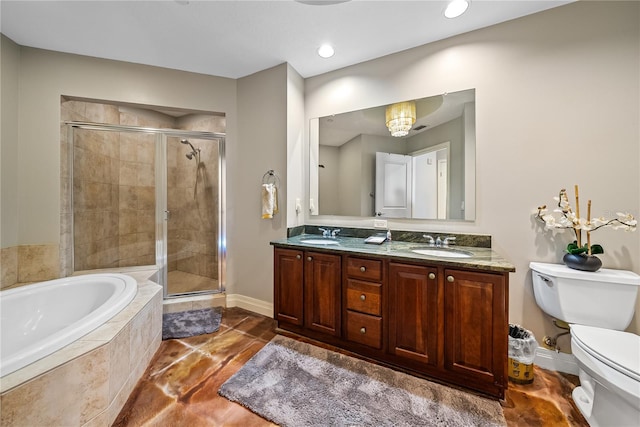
(379, 223)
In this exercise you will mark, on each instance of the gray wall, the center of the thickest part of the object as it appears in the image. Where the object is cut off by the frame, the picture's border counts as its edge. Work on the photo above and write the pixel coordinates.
(9, 73)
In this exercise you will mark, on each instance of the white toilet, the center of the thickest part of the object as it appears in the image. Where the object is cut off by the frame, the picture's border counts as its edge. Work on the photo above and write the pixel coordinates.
(598, 306)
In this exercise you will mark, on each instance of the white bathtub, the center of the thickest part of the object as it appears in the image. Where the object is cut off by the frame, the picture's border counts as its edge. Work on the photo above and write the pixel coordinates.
(39, 319)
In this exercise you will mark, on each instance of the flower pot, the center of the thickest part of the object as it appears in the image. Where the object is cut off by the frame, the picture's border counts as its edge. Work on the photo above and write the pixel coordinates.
(582, 262)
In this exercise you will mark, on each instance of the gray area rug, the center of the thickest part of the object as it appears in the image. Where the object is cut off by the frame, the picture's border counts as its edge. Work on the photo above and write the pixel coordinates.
(296, 384)
(190, 323)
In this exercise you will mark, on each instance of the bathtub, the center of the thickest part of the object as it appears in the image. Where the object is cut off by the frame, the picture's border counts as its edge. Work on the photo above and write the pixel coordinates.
(39, 319)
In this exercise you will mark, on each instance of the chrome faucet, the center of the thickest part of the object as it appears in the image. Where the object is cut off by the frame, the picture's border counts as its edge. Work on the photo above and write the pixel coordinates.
(438, 242)
(448, 241)
(325, 232)
(335, 232)
(430, 240)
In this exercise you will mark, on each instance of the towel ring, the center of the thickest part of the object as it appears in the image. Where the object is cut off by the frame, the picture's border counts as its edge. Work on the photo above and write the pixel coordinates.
(270, 177)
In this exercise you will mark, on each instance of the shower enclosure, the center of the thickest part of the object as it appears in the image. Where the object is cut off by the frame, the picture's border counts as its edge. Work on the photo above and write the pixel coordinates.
(149, 197)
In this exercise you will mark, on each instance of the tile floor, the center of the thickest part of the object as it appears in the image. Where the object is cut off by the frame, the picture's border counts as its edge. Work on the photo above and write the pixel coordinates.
(180, 386)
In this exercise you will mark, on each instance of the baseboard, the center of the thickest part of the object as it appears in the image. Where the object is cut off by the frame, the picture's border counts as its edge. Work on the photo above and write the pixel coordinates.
(251, 304)
(561, 362)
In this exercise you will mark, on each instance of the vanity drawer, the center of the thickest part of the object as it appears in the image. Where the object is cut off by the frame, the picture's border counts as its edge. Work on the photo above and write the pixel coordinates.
(364, 329)
(362, 268)
(364, 297)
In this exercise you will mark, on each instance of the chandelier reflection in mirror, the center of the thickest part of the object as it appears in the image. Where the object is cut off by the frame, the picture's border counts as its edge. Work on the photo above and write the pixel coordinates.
(400, 117)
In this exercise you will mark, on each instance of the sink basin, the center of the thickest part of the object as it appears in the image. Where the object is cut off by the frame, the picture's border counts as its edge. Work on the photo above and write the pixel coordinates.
(443, 253)
(319, 241)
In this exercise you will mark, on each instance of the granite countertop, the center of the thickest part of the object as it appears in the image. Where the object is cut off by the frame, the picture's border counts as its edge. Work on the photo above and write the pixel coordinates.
(480, 259)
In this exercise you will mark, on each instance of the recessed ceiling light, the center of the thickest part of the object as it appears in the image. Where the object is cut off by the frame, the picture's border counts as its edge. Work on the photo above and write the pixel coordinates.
(326, 51)
(456, 8)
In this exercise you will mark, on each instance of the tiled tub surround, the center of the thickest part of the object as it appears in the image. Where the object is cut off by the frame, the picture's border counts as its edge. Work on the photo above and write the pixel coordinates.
(87, 382)
(28, 263)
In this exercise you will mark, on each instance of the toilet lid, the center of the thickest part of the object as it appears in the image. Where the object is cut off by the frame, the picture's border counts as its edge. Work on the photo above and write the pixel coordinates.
(620, 350)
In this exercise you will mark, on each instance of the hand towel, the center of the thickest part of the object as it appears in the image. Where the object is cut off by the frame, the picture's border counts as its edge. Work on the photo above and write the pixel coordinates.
(275, 200)
(269, 206)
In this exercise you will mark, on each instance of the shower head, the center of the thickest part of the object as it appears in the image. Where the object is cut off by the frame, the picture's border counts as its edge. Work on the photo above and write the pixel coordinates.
(194, 151)
(186, 142)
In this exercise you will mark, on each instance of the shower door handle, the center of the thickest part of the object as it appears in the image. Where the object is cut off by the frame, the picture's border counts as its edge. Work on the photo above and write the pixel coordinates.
(167, 215)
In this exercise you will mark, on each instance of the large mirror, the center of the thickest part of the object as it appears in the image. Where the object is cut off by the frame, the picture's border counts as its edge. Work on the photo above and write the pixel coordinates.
(357, 168)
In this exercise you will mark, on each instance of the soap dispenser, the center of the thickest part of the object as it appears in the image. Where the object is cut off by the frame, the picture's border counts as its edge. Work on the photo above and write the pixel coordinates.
(388, 235)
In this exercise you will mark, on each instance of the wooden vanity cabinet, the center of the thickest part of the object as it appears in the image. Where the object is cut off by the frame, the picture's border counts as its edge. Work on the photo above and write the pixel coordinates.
(446, 323)
(288, 286)
(413, 313)
(476, 327)
(307, 290)
(322, 289)
(363, 301)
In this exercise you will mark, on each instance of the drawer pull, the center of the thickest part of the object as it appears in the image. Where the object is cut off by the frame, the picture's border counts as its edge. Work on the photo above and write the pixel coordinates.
(298, 256)
(363, 330)
(363, 297)
(363, 269)
(309, 258)
(450, 279)
(432, 276)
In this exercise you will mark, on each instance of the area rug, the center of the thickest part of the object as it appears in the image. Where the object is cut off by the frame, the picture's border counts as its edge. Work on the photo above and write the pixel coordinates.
(297, 384)
(190, 323)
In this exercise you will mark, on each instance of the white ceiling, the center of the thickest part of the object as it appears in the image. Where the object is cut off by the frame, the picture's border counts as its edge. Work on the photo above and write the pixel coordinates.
(238, 38)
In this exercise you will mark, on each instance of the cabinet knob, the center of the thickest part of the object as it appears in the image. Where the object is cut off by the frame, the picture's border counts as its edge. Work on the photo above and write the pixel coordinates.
(309, 258)
(450, 279)
(363, 269)
(363, 330)
(363, 297)
(432, 276)
(298, 256)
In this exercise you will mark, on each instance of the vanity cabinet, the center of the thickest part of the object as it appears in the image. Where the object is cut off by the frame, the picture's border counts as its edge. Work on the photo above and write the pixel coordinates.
(363, 301)
(322, 285)
(289, 286)
(423, 317)
(475, 322)
(307, 290)
(413, 313)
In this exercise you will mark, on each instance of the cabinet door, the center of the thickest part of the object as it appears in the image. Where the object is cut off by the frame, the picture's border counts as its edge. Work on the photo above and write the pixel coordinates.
(413, 312)
(288, 286)
(476, 325)
(322, 278)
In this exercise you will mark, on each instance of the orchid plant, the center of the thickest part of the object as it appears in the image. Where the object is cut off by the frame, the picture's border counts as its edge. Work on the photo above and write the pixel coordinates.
(571, 220)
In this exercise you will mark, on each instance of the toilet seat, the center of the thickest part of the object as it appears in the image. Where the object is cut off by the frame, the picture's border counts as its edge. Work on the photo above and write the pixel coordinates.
(616, 349)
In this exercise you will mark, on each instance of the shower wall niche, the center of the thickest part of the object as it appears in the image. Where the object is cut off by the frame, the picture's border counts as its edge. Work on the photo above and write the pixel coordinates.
(132, 197)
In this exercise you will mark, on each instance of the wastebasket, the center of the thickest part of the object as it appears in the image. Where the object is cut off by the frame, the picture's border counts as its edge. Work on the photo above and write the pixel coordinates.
(522, 351)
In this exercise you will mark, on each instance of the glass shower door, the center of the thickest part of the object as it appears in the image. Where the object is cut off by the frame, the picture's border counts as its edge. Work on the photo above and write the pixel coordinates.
(113, 200)
(192, 216)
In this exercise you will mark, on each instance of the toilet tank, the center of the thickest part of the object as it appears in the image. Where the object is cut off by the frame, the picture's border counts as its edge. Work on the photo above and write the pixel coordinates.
(605, 298)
